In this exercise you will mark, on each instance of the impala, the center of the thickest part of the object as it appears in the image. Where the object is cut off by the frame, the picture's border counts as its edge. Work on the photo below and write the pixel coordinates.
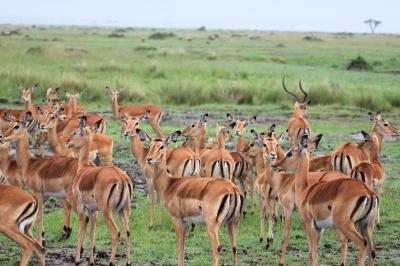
(47, 177)
(102, 145)
(180, 161)
(210, 201)
(372, 173)
(154, 116)
(18, 213)
(196, 134)
(343, 204)
(298, 124)
(349, 154)
(218, 162)
(99, 189)
(52, 96)
(9, 168)
(243, 165)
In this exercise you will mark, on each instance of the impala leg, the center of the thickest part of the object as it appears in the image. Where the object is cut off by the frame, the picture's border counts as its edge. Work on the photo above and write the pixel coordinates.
(261, 206)
(286, 231)
(93, 218)
(312, 244)
(39, 198)
(366, 232)
(27, 244)
(109, 221)
(158, 208)
(351, 233)
(150, 188)
(180, 232)
(251, 182)
(343, 246)
(83, 221)
(212, 229)
(66, 233)
(124, 215)
(269, 203)
(154, 123)
(233, 230)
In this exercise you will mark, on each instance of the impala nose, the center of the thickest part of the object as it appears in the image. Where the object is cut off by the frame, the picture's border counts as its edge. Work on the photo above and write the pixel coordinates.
(272, 156)
(237, 133)
(149, 160)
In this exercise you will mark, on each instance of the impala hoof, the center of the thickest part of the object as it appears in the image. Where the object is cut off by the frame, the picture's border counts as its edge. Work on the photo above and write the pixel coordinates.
(379, 226)
(111, 264)
(261, 239)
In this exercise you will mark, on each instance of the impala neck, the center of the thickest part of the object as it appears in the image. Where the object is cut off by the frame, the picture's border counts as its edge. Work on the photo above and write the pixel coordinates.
(161, 179)
(221, 140)
(53, 140)
(4, 159)
(374, 153)
(139, 150)
(268, 171)
(72, 104)
(84, 154)
(297, 113)
(201, 140)
(241, 143)
(301, 173)
(23, 155)
(260, 164)
(115, 107)
(380, 138)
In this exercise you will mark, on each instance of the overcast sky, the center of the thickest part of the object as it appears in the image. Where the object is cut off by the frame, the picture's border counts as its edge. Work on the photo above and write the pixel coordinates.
(284, 15)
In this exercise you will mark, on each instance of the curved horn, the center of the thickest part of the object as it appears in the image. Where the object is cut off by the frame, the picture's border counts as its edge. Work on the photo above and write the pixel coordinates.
(305, 93)
(288, 92)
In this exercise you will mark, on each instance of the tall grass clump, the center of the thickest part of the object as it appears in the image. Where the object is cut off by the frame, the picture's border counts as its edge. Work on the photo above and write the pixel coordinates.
(161, 35)
(184, 94)
(37, 50)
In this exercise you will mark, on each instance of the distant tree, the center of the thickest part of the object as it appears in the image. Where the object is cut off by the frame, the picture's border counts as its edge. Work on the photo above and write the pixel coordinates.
(372, 23)
(202, 28)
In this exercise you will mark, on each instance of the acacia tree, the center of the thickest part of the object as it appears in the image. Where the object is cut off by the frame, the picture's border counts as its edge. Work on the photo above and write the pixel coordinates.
(372, 23)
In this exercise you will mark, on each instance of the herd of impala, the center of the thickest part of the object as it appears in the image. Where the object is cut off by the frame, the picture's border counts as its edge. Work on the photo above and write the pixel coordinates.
(199, 182)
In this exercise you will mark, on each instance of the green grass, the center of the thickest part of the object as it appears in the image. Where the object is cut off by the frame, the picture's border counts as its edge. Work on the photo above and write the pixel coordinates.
(229, 74)
(168, 69)
(158, 245)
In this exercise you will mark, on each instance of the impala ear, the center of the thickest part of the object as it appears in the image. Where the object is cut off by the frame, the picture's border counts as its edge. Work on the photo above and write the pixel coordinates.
(271, 131)
(232, 125)
(204, 118)
(283, 136)
(57, 89)
(378, 116)
(34, 87)
(123, 117)
(27, 119)
(254, 135)
(40, 110)
(143, 135)
(173, 137)
(146, 115)
(59, 111)
(230, 118)
(108, 89)
(97, 126)
(83, 122)
(303, 144)
(45, 101)
(8, 117)
(316, 140)
(371, 116)
(365, 134)
(251, 120)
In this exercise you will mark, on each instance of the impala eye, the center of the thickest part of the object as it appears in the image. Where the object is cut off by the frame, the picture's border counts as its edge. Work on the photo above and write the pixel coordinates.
(289, 154)
(137, 123)
(265, 145)
(386, 125)
(16, 127)
(193, 125)
(162, 147)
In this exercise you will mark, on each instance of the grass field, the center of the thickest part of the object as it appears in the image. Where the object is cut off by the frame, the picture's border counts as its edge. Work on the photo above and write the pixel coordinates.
(238, 72)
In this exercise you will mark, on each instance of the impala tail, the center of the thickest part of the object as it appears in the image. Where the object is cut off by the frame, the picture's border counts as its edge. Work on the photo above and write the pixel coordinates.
(230, 208)
(365, 209)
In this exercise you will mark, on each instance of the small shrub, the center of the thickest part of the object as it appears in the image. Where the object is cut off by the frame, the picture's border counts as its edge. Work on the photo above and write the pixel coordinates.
(116, 35)
(38, 50)
(161, 35)
(212, 56)
(359, 63)
(110, 66)
(145, 48)
(281, 45)
(312, 38)
(155, 72)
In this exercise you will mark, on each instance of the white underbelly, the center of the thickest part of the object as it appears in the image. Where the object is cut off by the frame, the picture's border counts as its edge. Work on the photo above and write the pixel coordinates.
(92, 206)
(55, 195)
(200, 219)
(326, 223)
